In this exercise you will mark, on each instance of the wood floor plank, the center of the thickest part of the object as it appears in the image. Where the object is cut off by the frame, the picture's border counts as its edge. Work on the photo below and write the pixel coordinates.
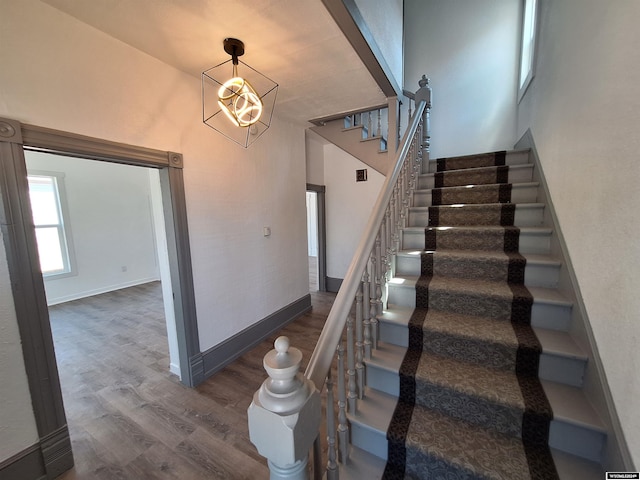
(130, 418)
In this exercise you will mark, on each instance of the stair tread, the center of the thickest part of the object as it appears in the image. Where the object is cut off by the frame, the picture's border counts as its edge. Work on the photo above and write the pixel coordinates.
(468, 326)
(522, 206)
(572, 467)
(540, 294)
(534, 259)
(570, 405)
(526, 230)
(508, 153)
(485, 185)
(374, 411)
(525, 166)
(387, 356)
(553, 342)
(361, 464)
(462, 285)
(398, 314)
(467, 447)
(556, 342)
(497, 387)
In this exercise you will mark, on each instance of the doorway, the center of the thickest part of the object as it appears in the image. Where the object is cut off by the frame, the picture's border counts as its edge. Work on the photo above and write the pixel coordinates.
(316, 238)
(99, 229)
(54, 446)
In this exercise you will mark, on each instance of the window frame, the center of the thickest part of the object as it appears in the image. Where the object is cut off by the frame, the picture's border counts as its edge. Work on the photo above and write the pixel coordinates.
(525, 81)
(63, 226)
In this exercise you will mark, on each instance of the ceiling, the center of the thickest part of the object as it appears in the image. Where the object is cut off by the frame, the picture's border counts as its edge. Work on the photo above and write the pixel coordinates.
(294, 42)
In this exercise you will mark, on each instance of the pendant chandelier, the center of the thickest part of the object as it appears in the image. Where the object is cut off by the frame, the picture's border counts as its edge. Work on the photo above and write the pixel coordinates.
(239, 106)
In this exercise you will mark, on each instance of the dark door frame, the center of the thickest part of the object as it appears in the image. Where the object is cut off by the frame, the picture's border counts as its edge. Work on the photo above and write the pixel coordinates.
(27, 284)
(322, 235)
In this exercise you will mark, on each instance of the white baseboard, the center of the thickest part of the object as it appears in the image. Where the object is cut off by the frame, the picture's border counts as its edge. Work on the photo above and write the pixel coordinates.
(175, 369)
(98, 291)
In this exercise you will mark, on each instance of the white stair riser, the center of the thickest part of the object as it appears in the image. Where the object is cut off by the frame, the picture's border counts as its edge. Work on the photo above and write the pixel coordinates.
(524, 216)
(542, 275)
(512, 158)
(576, 440)
(535, 275)
(516, 175)
(384, 380)
(519, 194)
(544, 315)
(561, 369)
(553, 367)
(529, 242)
(394, 333)
(372, 441)
(551, 316)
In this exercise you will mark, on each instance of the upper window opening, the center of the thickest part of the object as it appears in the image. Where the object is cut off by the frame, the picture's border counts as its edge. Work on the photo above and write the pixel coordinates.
(527, 53)
(48, 219)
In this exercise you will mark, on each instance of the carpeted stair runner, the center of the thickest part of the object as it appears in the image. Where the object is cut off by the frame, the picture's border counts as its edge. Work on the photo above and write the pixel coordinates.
(471, 405)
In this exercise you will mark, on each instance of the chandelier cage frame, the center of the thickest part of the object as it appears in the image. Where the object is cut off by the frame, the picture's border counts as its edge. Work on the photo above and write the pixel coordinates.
(217, 78)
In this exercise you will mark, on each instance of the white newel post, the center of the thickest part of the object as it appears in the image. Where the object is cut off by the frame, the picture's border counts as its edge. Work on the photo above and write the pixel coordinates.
(424, 93)
(284, 416)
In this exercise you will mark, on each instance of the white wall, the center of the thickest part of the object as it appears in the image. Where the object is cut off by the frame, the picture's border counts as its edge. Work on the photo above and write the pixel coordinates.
(386, 26)
(109, 212)
(470, 51)
(348, 205)
(583, 111)
(314, 157)
(59, 73)
(312, 223)
(164, 269)
(17, 423)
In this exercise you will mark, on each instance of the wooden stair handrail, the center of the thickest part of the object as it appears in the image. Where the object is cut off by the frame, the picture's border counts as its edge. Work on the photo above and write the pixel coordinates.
(324, 352)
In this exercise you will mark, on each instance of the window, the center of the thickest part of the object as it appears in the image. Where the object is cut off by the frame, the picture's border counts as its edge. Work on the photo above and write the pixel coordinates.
(527, 53)
(46, 192)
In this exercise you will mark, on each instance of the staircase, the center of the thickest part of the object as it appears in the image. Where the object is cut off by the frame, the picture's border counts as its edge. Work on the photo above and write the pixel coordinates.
(472, 282)
(363, 134)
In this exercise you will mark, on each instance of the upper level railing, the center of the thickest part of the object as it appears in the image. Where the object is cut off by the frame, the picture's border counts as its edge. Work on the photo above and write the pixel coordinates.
(377, 121)
(287, 402)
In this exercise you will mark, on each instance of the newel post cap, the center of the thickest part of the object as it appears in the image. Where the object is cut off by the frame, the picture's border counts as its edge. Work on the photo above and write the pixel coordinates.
(424, 92)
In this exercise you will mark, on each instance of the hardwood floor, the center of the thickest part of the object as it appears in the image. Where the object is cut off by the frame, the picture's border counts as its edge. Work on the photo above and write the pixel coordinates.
(130, 419)
(313, 274)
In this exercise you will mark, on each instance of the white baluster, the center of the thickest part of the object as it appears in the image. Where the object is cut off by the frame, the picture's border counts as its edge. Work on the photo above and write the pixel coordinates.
(379, 131)
(287, 408)
(359, 344)
(381, 271)
(373, 302)
(392, 219)
(369, 126)
(332, 466)
(352, 395)
(366, 323)
(343, 427)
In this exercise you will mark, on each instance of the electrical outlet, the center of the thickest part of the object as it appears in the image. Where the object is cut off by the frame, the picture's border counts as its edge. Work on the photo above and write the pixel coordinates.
(124, 268)
(361, 175)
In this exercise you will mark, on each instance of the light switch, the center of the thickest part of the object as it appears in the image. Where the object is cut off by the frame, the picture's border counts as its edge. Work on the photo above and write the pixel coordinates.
(266, 231)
